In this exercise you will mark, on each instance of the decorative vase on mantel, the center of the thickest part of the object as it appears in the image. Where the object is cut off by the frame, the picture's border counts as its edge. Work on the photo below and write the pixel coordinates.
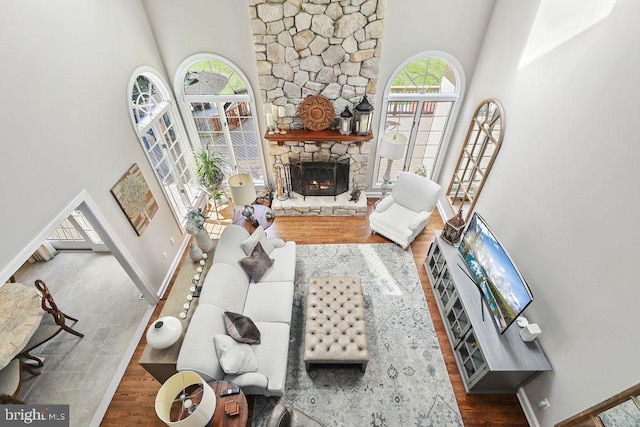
(204, 241)
(195, 253)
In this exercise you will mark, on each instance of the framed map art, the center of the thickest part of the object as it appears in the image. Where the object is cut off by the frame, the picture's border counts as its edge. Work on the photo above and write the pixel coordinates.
(135, 199)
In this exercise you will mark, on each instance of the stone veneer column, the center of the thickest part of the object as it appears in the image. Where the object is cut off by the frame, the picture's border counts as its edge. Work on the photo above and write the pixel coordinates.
(318, 47)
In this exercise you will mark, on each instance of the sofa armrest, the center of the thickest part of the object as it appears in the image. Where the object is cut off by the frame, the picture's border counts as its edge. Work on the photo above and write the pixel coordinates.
(250, 382)
(419, 220)
(384, 204)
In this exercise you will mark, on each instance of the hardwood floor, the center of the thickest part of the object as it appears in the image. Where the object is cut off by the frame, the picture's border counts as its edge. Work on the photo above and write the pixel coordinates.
(133, 403)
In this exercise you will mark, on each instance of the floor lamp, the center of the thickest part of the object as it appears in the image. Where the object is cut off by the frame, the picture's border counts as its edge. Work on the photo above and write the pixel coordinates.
(243, 193)
(392, 148)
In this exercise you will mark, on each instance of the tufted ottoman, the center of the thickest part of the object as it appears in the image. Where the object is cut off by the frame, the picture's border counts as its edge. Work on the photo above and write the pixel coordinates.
(334, 328)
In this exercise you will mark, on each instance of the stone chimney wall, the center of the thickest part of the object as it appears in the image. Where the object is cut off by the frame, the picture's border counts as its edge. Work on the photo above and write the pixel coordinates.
(317, 47)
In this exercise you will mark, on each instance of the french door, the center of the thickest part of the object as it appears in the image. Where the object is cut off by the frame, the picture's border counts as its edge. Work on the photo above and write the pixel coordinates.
(424, 123)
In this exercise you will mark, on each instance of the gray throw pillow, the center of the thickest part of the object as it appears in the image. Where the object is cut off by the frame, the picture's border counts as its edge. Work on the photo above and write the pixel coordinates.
(257, 264)
(241, 328)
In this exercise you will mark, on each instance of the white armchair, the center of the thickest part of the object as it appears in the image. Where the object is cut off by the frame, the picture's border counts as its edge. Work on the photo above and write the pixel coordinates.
(403, 214)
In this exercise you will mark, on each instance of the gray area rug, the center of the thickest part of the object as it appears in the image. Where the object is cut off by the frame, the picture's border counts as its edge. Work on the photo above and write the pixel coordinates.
(406, 381)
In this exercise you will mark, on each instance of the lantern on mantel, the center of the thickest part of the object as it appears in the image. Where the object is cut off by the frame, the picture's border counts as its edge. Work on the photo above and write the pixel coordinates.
(363, 116)
(345, 121)
(453, 229)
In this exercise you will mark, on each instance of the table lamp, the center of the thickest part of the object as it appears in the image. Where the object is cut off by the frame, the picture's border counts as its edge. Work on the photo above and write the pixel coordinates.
(243, 193)
(392, 148)
(196, 398)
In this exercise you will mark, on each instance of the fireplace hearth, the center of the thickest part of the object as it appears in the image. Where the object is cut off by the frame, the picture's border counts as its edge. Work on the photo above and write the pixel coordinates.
(320, 178)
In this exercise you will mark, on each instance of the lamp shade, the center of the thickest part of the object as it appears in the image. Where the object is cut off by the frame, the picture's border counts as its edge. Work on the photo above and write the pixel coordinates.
(242, 190)
(393, 145)
(196, 398)
(164, 332)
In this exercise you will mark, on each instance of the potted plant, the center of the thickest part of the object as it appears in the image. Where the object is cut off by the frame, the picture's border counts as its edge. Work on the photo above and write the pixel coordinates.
(195, 225)
(210, 170)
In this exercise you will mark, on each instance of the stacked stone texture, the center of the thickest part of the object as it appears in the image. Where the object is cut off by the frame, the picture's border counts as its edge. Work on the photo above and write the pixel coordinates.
(317, 47)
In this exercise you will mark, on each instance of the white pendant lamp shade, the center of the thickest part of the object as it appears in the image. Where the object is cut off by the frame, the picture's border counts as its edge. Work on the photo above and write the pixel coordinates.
(242, 190)
(164, 332)
(188, 389)
(393, 145)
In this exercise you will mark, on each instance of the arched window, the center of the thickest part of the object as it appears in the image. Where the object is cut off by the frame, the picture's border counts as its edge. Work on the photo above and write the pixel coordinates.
(160, 131)
(217, 96)
(421, 102)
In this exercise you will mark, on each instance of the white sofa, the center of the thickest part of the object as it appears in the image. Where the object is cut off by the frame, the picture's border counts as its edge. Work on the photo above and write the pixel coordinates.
(227, 287)
(403, 214)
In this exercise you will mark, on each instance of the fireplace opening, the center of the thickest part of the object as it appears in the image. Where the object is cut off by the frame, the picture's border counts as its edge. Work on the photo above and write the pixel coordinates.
(320, 178)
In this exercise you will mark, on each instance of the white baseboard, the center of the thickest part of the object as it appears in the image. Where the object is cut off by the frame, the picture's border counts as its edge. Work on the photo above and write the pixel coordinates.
(527, 408)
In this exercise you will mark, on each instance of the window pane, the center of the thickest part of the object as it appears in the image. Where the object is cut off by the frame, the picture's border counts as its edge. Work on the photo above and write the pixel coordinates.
(156, 129)
(425, 75)
(208, 77)
(225, 126)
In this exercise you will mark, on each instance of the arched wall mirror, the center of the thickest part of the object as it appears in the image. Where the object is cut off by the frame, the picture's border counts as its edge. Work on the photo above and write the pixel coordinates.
(478, 153)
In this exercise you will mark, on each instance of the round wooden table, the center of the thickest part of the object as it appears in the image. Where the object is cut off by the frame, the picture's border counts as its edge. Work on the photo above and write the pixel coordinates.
(220, 417)
(259, 213)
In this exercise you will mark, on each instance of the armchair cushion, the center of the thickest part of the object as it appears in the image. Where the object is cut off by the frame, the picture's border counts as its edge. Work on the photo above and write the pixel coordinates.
(416, 192)
(419, 220)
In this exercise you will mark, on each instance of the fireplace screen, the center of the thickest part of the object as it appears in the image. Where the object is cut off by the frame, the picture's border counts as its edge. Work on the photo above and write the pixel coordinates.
(320, 178)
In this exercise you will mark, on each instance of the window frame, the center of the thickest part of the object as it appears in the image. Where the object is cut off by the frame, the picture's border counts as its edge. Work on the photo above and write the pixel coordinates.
(168, 107)
(455, 98)
(184, 101)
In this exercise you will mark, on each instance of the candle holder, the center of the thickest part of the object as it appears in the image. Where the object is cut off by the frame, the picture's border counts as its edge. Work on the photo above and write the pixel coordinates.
(282, 129)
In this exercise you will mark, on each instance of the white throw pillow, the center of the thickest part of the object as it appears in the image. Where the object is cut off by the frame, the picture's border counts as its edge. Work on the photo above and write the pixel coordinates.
(277, 243)
(259, 235)
(235, 357)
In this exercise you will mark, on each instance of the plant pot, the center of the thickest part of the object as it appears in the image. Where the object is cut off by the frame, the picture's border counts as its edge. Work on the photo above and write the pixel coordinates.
(204, 241)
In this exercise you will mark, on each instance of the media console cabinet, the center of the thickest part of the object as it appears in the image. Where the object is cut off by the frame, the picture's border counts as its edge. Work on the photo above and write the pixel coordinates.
(488, 362)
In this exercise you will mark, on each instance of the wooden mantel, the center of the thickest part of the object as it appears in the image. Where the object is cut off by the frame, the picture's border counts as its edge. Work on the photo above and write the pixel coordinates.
(327, 135)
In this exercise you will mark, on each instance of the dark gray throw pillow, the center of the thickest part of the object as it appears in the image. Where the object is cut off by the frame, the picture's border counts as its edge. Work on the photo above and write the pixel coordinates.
(241, 328)
(257, 264)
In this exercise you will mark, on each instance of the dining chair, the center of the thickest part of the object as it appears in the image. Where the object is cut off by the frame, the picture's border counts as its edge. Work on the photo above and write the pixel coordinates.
(11, 380)
(60, 318)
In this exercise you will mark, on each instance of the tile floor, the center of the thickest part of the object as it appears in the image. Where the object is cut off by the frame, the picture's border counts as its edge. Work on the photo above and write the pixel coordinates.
(93, 288)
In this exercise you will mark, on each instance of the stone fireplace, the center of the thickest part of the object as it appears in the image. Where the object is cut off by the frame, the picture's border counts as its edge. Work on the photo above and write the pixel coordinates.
(318, 47)
(320, 178)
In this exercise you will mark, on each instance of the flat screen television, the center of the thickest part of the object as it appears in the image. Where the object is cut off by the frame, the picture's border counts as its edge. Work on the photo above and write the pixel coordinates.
(501, 284)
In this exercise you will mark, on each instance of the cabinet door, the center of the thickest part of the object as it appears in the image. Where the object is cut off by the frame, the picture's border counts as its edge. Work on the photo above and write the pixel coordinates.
(457, 320)
(445, 289)
(471, 359)
(436, 261)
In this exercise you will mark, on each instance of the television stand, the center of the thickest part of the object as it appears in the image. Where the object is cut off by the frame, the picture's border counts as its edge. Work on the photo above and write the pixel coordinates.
(488, 362)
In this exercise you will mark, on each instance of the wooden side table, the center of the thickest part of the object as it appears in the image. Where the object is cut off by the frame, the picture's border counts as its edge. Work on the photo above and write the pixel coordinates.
(259, 213)
(220, 418)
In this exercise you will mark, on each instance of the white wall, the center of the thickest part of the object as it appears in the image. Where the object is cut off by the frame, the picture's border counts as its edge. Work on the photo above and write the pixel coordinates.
(65, 121)
(414, 26)
(411, 27)
(562, 195)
